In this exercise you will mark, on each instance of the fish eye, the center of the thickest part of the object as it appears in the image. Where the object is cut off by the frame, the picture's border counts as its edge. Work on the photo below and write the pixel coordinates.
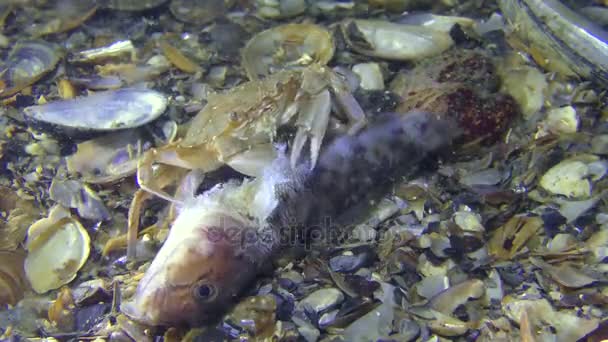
(204, 292)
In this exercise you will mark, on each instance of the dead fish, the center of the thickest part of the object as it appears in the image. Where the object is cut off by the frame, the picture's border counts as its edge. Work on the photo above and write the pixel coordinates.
(220, 239)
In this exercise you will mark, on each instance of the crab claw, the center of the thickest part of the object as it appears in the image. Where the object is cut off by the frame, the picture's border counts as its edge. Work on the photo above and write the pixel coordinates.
(347, 104)
(312, 121)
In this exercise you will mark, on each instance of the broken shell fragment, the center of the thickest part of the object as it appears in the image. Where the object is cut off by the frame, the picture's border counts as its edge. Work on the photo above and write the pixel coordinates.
(568, 178)
(508, 239)
(58, 246)
(115, 49)
(131, 5)
(527, 85)
(104, 111)
(280, 9)
(560, 120)
(74, 194)
(287, 46)
(26, 64)
(12, 277)
(567, 326)
(447, 301)
(436, 22)
(394, 41)
(565, 275)
(110, 157)
(177, 58)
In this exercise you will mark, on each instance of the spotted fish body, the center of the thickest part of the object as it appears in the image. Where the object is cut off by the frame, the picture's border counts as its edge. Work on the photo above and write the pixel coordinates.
(221, 239)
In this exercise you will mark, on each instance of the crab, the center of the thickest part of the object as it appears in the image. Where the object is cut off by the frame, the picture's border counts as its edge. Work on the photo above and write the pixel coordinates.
(238, 127)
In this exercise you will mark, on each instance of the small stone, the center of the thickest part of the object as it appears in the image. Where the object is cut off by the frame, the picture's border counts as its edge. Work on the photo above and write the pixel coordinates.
(347, 263)
(293, 276)
(433, 285)
(310, 333)
(322, 299)
(527, 85)
(561, 120)
(599, 144)
(306, 330)
(328, 319)
(370, 75)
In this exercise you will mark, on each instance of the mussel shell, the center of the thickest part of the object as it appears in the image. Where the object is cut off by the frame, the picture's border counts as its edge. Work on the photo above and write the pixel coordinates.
(27, 63)
(110, 157)
(103, 111)
(567, 39)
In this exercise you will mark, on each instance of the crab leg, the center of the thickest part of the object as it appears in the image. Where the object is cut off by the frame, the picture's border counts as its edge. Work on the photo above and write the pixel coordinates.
(145, 175)
(133, 221)
(186, 189)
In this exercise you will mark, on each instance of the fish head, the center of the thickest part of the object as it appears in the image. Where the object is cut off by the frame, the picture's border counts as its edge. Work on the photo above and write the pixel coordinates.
(196, 274)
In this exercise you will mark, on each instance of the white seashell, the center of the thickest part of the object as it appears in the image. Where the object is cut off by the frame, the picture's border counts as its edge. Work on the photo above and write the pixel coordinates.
(103, 111)
(528, 86)
(58, 246)
(394, 41)
(370, 75)
(560, 120)
(108, 158)
(436, 22)
(567, 178)
(468, 221)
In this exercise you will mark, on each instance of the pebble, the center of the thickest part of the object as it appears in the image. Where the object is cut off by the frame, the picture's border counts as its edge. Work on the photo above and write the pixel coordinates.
(408, 330)
(347, 263)
(328, 319)
(370, 75)
(322, 299)
(306, 330)
(599, 144)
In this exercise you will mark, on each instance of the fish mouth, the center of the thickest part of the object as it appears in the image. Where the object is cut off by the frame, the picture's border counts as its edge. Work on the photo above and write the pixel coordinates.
(153, 314)
(146, 309)
(132, 310)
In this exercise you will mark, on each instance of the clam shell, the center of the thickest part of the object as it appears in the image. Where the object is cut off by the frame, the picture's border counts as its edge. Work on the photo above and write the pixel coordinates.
(103, 111)
(58, 246)
(393, 41)
(12, 277)
(26, 64)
